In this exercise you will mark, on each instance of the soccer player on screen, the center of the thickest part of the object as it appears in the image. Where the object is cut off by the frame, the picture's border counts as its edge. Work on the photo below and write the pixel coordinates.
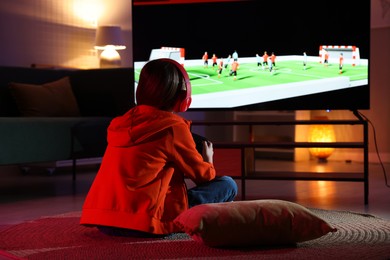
(273, 59)
(220, 67)
(235, 56)
(234, 69)
(265, 60)
(205, 59)
(270, 64)
(326, 58)
(258, 59)
(341, 62)
(304, 60)
(214, 59)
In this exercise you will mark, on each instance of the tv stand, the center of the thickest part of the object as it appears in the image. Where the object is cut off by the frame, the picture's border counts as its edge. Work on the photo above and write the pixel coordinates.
(248, 171)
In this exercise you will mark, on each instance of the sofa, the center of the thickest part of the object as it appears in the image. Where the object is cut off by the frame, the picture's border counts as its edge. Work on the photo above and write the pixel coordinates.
(49, 115)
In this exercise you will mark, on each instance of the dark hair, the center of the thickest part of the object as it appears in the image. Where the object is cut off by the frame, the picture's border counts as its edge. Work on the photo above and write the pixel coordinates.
(159, 84)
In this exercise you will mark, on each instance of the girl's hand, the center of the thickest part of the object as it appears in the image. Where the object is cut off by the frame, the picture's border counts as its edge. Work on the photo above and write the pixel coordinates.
(208, 151)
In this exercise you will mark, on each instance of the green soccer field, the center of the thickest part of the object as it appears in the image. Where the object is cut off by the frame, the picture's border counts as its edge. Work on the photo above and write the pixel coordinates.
(255, 84)
(205, 80)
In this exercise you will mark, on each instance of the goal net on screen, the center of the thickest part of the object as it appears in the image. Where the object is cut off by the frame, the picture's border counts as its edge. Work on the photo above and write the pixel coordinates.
(173, 53)
(350, 53)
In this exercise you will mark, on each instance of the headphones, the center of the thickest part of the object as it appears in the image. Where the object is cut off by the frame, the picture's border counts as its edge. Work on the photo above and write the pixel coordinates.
(185, 98)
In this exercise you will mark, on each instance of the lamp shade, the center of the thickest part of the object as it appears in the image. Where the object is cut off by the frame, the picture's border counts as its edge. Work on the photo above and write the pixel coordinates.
(109, 36)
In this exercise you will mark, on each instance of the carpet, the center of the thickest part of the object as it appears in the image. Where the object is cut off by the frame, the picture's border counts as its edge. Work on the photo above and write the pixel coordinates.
(359, 236)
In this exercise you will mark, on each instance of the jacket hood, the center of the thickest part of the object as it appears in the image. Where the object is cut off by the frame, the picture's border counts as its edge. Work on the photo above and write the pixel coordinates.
(139, 123)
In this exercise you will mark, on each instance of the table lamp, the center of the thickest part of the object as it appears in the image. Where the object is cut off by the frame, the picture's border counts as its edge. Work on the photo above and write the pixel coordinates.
(109, 39)
(322, 133)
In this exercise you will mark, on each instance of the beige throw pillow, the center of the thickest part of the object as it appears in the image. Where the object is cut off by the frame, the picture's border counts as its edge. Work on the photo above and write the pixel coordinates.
(252, 223)
(47, 100)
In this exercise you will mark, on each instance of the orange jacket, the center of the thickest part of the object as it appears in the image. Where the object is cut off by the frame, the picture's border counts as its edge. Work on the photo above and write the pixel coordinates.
(140, 184)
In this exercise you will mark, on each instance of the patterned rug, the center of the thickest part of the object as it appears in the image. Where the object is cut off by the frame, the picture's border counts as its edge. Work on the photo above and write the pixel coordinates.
(359, 236)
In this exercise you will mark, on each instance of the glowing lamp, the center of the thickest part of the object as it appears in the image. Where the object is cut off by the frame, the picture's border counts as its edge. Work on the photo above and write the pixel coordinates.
(109, 39)
(321, 133)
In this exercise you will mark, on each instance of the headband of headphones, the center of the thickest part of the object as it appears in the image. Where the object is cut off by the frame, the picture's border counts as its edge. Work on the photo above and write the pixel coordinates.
(185, 98)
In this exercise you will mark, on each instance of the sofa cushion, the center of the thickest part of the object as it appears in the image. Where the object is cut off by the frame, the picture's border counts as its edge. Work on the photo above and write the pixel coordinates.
(51, 99)
(252, 223)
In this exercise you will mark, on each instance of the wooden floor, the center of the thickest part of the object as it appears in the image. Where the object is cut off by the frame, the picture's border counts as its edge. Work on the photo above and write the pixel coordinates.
(35, 194)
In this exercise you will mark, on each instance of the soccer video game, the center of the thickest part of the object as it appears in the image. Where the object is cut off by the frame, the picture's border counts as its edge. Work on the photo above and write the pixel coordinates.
(238, 57)
(214, 86)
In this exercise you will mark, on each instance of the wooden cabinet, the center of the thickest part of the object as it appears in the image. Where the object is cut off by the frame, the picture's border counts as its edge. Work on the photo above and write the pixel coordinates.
(266, 133)
(249, 171)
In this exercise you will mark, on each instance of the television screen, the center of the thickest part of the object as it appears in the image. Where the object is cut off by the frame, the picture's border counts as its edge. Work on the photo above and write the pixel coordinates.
(291, 55)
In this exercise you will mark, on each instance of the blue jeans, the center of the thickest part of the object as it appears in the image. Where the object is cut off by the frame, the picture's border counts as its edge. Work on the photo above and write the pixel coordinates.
(221, 189)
